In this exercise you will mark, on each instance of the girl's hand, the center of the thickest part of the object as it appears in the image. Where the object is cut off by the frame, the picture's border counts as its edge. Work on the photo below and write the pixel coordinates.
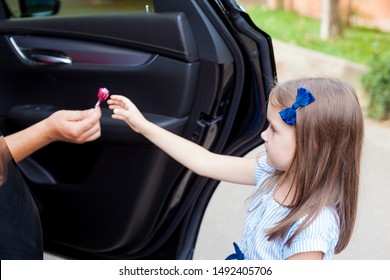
(125, 110)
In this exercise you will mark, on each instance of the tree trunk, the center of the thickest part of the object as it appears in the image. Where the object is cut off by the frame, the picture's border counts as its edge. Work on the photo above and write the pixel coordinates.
(279, 4)
(275, 4)
(263, 3)
(349, 13)
(330, 19)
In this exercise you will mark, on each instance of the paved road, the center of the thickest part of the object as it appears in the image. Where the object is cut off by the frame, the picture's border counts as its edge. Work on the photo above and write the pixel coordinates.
(224, 218)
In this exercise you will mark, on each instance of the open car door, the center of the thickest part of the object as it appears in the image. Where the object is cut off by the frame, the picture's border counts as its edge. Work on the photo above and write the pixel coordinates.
(198, 68)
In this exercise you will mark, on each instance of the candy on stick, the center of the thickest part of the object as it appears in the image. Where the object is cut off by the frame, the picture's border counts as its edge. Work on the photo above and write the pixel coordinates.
(102, 96)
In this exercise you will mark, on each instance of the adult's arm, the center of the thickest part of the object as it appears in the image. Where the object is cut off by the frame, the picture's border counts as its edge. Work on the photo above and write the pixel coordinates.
(64, 125)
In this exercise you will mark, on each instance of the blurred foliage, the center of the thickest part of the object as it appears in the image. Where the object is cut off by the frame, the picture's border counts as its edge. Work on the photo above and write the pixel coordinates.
(377, 83)
(83, 7)
(355, 44)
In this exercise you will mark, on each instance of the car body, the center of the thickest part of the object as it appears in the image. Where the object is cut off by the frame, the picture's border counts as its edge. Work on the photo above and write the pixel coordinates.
(199, 68)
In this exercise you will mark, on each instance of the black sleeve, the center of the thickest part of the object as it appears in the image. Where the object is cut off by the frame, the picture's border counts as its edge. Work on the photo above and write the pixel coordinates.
(20, 226)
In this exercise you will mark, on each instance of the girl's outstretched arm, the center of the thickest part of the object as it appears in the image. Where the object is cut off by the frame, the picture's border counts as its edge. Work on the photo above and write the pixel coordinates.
(199, 160)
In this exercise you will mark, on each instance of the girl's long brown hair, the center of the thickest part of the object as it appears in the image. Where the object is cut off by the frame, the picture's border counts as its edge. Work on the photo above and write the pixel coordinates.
(326, 165)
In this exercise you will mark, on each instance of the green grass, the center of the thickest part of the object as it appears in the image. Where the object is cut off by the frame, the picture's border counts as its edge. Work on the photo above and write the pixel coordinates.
(83, 7)
(356, 44)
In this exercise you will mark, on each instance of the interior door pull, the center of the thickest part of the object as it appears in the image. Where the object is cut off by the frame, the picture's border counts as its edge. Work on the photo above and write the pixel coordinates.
(41, 56)
(50, 59)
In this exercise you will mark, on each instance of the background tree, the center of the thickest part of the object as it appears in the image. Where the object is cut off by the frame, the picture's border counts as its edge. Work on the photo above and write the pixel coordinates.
(271, 4)
(348, 14)
(330, 19)
(263, 3)
(279, 4)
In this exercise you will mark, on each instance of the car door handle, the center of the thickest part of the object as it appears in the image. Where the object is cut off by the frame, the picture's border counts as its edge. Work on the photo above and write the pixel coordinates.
(41, 56)
(47, 58)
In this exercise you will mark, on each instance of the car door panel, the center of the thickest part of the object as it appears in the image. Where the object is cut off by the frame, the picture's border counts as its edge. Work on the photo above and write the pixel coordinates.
(108, 217)
(120, 196)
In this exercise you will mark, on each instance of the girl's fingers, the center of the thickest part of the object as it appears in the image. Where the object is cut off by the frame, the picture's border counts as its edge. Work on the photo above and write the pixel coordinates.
(120, 100)
(121, 112)
(113, 107)
(117, 99)
(119, 117)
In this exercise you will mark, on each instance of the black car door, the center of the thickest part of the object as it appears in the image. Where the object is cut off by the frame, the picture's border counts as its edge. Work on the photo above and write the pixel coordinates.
(195, 67)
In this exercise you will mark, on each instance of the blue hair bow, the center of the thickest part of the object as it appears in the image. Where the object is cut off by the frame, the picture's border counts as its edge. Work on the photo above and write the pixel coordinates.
(238, 255)
(304, 98)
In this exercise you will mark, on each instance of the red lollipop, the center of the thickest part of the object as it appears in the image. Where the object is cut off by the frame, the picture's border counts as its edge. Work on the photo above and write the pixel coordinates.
(102, 96)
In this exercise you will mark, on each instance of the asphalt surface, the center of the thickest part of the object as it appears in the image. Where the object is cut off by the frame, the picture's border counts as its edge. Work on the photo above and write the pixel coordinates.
(224, 218)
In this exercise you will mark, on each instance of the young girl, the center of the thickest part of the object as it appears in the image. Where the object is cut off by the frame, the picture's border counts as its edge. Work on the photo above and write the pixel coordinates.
(305, 200)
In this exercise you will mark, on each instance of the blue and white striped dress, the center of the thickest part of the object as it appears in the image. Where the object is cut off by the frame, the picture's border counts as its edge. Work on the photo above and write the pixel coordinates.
(264, 212)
